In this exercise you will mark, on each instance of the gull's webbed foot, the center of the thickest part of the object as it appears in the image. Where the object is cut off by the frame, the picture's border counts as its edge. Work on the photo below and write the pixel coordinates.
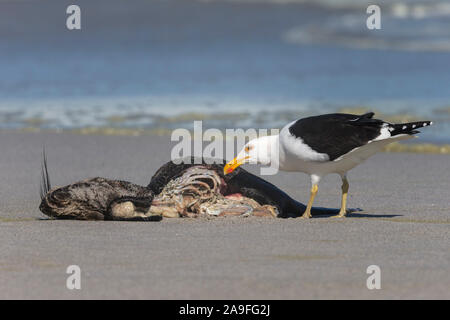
(341, 214)
(306, 215)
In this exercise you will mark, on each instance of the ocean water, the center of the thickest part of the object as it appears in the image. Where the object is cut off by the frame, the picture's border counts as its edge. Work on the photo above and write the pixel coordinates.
(232, 64)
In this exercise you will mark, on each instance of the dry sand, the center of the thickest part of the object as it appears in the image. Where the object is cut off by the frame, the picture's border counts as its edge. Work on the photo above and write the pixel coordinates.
(404, 229)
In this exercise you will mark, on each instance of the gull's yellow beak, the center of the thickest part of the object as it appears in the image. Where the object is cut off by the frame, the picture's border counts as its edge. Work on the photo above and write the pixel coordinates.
(233, 164)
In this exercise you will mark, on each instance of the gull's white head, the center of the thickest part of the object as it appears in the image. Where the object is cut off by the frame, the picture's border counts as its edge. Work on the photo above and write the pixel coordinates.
(257, 151)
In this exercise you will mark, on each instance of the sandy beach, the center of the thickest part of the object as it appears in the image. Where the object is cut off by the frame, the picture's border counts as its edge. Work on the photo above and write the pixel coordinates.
(403, 228)
(104, 97)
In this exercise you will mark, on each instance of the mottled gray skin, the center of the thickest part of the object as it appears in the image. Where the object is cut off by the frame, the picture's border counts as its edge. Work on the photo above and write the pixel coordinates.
(95, 199)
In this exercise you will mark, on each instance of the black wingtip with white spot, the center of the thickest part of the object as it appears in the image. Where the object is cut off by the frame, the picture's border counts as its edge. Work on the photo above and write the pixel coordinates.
(408, 128)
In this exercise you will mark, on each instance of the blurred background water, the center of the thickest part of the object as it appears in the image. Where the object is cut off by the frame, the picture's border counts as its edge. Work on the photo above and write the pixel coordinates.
(232, 63)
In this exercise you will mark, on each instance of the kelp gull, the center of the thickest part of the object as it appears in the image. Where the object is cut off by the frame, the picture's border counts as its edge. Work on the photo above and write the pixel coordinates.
(320, 145)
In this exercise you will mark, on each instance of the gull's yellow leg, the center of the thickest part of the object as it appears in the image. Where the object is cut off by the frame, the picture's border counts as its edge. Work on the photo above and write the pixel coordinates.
(307, 213)
(344, 188)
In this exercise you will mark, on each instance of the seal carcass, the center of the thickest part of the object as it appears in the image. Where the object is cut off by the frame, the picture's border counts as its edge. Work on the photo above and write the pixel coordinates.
(191, 188)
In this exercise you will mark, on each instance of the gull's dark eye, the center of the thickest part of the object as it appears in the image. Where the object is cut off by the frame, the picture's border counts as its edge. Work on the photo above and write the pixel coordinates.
(248, 148)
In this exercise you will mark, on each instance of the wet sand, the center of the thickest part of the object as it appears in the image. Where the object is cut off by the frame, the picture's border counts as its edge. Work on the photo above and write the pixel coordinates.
(403, 228)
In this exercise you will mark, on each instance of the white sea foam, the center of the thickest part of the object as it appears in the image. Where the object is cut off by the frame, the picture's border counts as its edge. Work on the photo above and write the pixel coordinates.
(139, 111)
(176, 111)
